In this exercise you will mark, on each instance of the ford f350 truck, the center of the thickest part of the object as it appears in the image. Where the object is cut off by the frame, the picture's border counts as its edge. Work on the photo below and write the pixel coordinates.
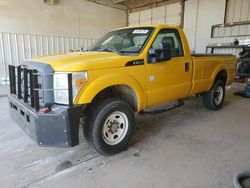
(128, 70)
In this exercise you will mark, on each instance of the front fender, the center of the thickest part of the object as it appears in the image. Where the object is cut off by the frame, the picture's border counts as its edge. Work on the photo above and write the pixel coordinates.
(87, 93)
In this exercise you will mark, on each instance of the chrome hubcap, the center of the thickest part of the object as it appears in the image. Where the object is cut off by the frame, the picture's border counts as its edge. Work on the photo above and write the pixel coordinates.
(115, 128)
(218, 95)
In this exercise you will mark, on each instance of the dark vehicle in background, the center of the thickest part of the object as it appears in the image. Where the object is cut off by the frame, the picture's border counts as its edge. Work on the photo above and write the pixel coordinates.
(243, 68)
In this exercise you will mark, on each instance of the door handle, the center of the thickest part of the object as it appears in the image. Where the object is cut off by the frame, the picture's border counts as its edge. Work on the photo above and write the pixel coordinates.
(186, 67)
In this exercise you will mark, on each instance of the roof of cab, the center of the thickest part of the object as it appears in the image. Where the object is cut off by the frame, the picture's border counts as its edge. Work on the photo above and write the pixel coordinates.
(151, 25)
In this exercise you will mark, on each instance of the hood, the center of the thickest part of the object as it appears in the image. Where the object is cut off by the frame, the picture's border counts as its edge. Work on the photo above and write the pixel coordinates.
(81, 61)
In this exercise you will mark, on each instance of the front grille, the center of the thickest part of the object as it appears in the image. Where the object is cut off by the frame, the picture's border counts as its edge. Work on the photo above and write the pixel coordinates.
(33, 87)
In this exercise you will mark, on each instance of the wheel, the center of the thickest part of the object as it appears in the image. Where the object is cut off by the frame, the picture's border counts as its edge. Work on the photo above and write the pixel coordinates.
(214, 98)
(109, 126)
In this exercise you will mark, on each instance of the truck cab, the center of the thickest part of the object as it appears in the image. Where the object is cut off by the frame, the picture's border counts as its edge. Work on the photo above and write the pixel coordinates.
(128, 70)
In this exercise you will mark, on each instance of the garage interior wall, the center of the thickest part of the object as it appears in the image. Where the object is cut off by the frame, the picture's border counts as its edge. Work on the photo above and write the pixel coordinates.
(32, 28)
(237, 10)
(201, 15)
(166, 14)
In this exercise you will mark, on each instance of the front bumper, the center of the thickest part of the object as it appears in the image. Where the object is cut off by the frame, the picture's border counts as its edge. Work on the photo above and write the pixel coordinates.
(59, 127)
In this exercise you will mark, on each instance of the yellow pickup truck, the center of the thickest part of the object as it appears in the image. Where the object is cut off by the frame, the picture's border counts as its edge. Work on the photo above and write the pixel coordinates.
(128, 70)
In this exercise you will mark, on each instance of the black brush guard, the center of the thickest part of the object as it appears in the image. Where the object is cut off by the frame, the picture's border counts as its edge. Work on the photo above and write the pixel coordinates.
(57, 127)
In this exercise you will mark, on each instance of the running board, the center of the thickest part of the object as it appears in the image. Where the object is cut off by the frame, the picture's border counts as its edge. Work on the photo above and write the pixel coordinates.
(163, 108)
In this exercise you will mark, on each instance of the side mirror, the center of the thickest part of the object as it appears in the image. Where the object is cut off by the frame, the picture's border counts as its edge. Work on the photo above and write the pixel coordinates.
(162, 53)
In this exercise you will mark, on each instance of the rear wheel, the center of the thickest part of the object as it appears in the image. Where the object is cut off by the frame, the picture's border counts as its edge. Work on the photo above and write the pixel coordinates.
(214, 98)
(109, 126)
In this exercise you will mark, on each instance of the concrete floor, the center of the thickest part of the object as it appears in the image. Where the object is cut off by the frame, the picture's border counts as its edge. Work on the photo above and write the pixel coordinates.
(188, 147)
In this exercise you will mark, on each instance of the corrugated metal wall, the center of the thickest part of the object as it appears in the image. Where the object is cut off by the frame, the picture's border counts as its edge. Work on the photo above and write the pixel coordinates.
(167, 14)
(237, 10)
(236, 30)
(16, 47)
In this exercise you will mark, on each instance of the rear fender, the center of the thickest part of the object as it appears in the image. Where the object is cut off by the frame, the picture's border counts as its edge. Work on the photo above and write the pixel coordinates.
(219, 68)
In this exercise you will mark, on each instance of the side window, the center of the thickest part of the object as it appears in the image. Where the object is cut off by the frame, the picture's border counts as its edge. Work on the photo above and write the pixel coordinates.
(171, 36)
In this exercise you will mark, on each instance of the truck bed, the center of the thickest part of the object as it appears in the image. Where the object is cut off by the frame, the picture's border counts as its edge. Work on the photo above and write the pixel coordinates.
(204, 66)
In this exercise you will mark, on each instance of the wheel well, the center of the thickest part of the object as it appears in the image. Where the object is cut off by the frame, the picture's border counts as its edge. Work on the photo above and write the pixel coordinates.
(222, 75)
(123, 92)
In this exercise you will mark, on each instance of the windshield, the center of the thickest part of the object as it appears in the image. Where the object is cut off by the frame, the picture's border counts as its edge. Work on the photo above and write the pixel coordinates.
(131, 40)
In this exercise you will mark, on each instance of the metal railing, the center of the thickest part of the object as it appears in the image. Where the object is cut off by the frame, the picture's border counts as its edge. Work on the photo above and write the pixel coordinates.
(199, 45)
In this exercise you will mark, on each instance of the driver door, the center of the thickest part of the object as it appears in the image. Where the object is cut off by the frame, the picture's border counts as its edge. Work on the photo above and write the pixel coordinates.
(170, 79)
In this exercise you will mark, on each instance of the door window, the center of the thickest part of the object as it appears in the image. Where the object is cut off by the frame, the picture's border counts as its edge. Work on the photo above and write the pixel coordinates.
(171, 36)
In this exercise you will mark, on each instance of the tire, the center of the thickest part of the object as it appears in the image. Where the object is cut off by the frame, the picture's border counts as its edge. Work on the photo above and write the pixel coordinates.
(109, 126)
(213, 99)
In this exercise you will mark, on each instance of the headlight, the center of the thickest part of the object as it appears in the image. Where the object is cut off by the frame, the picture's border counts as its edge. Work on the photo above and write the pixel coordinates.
(61, 85)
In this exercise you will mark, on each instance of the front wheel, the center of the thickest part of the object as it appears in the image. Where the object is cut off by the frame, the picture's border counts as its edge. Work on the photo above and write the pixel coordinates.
(213, 99)
(109, 126)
